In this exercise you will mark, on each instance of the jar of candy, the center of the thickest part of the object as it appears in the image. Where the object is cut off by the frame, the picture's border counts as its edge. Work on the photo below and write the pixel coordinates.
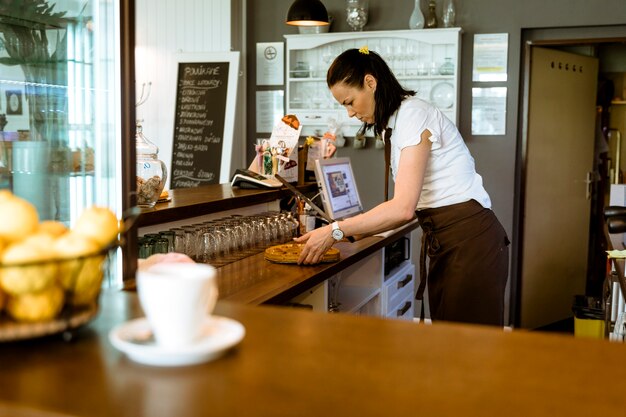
(151, 171)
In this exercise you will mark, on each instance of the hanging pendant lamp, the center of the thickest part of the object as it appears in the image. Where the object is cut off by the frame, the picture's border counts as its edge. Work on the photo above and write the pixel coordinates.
(307, 13)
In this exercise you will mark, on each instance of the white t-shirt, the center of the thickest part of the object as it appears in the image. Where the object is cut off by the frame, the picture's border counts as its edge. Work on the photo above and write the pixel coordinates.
(450, 176)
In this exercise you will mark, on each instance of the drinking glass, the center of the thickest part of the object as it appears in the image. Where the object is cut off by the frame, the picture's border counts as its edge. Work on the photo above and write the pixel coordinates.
(282, 227)
(434, 68)
(421, 68)
(262, 233)
(290, 224)
(209, 247)
(220, 243)
(169, 235)
(248, 236)
(161, 245)
(356, 14)
(238, 244)
(146, 247)
(272, 227)
(328, 54)
(411, 56)
(400, 57)
(179, 240)
(190, 241)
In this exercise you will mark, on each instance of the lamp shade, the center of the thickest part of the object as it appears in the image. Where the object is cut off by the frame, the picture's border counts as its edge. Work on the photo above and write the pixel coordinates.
(307, 13)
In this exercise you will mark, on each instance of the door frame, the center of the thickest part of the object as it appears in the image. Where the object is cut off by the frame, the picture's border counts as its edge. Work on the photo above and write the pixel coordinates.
(545, 37)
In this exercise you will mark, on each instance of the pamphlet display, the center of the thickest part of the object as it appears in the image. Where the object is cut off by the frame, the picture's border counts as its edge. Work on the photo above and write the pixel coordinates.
(275, 155)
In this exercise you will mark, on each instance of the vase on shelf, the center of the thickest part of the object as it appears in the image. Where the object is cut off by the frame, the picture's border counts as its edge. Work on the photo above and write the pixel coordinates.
(447, 68)
(356, 14)
(417, 17)
(448, 14)
(431, 17)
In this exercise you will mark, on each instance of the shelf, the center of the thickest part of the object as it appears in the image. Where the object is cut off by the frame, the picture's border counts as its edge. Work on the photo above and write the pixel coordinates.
(207, 199)
(353, 298)
(429, 50)
(399, 77)
(307, 79)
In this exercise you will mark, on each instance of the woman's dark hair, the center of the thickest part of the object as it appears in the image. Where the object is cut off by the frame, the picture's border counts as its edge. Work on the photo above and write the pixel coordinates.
(351, 67)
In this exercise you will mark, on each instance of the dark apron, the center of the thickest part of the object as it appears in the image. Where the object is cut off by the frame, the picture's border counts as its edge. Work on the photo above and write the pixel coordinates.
(468, 265)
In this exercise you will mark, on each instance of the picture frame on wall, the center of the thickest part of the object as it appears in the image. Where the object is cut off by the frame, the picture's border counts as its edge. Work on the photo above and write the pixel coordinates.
(14, 102)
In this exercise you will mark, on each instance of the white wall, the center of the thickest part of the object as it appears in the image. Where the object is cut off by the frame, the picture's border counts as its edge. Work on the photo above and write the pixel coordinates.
(164, 28)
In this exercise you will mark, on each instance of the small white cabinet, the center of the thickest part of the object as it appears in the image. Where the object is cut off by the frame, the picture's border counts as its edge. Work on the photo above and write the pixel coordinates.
(424, 60)
(364, 289)
(398, 295)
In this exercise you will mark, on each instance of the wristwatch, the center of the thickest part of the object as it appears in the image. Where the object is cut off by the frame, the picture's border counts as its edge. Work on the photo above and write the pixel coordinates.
(337, 233)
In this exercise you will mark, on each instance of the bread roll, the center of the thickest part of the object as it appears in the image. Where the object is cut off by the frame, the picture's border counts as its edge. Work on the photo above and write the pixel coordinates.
(19, 217)
(40, 306)
(17, 278)
(99, 224)
(81, 277)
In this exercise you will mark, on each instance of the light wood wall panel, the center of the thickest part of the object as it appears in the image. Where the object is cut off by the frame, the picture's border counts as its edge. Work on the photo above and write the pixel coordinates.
(164, 28)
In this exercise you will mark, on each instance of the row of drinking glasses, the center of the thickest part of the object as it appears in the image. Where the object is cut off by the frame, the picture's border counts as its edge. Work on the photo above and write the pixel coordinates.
(227, 239)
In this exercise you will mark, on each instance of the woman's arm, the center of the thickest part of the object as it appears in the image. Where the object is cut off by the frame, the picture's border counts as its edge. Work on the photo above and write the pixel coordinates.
(385, 216)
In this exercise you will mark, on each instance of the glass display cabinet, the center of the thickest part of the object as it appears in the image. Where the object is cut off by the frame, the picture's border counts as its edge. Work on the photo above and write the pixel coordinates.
(62, 91)
(423, 60)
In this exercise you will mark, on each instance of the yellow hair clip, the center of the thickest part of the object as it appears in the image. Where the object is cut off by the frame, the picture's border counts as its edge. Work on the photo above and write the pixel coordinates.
(309, 141)
(364, 50)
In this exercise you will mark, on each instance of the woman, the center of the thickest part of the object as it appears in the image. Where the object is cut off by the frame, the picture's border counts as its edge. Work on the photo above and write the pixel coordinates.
(434, 178)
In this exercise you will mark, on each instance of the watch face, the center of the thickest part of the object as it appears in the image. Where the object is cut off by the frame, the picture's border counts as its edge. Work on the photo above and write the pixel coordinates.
(337, 234)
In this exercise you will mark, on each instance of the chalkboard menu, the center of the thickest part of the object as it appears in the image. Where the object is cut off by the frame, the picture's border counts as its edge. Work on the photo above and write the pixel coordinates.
(199, 123)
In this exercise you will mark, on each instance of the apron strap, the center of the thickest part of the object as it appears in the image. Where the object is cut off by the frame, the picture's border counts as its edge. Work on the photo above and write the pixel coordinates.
(430, 246)
(419, 294)
(387, 140)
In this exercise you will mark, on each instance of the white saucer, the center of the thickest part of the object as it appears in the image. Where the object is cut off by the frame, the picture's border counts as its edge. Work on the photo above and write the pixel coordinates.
(220, 334)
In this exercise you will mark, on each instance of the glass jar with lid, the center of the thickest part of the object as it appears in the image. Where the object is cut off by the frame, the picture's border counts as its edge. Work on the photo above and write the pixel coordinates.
(151, 171)
(447, 68)
(302, 70)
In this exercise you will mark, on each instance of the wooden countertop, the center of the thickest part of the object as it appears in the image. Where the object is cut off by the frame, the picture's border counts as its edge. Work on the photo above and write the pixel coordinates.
(192, 202)
(254, 280)
(301, 363)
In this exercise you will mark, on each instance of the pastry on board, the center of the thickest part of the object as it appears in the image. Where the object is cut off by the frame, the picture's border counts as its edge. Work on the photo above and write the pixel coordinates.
(289, 253)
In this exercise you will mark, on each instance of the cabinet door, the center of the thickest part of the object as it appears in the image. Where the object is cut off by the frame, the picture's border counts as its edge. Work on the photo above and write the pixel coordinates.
(359, 286)
(398, 288)
(425, 61)
(404, 310)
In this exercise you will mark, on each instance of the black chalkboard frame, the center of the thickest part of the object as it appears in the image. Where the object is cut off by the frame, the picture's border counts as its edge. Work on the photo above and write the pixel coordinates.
(232, 58)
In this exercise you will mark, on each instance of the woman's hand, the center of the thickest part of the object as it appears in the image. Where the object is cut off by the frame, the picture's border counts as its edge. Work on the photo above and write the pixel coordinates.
(317, 241)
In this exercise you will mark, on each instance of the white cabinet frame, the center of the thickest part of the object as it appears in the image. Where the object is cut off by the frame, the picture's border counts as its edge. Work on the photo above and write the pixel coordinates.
(415, 56)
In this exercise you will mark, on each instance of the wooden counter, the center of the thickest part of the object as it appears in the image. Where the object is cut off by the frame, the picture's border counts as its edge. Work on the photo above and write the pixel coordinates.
(188, 203)
(192, 202)
(299, 363)
(253, 280)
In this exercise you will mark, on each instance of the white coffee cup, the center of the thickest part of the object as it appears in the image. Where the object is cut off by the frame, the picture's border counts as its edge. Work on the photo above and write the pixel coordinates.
(177, 299)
